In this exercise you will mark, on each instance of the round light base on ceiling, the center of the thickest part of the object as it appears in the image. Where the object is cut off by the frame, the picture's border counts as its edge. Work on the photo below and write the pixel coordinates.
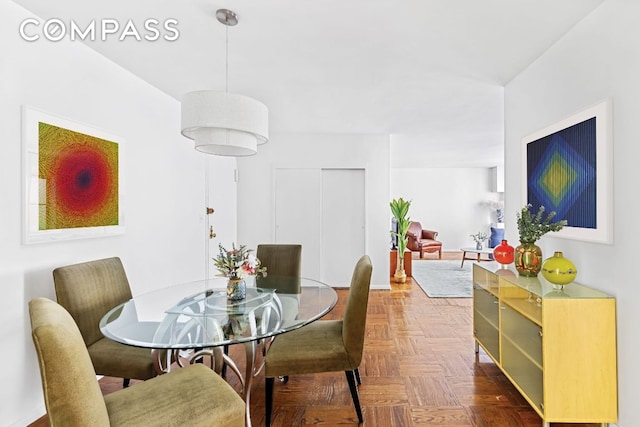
(227, 17)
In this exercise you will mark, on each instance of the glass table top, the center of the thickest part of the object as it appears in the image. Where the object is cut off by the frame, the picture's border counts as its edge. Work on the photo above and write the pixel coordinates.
(198, 314)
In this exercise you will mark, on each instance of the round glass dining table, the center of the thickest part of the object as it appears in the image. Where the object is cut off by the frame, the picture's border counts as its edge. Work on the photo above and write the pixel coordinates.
(198, 317)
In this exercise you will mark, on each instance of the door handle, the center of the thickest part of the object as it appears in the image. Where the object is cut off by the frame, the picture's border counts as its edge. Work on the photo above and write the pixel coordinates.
(210, 211)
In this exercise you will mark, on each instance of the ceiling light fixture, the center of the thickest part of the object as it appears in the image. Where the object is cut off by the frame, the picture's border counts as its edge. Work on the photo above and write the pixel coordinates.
(224, 123)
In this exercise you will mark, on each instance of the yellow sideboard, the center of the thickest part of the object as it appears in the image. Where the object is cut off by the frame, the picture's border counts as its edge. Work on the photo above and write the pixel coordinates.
(557, 347)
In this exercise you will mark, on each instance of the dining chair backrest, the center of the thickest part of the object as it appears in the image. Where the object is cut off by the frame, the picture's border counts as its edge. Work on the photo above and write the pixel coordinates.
(88, 290)
(355, 314)
(71, 392)
(284, 264)
(280, 259)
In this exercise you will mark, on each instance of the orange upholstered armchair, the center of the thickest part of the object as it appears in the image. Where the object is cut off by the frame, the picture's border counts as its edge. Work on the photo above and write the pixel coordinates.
(421, 240)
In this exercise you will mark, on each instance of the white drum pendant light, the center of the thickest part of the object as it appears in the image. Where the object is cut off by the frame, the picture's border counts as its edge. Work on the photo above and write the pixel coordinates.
(223, 123)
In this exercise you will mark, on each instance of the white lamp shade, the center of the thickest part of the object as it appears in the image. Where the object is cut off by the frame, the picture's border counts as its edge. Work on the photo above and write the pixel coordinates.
(224, 123)
(225, 142)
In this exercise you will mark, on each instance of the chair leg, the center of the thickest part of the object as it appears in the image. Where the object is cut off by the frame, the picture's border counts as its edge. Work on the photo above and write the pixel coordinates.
(223, 372)
(354, 393)
(268, 400)
(125, 382)
(357, 372)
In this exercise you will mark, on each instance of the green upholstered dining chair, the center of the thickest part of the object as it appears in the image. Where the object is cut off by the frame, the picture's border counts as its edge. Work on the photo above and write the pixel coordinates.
(284, 265)
(194, 395)
(87, 291)
(324, 345)
(283, 262)
(280, 259)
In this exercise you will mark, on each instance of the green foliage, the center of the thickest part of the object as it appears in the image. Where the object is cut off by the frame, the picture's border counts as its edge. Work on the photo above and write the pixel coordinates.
(531, 228)
(400, 209)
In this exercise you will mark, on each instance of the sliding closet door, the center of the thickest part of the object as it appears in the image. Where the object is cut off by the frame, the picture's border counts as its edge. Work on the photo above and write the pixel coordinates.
(297, 214)
(343, 228)
(322, 209)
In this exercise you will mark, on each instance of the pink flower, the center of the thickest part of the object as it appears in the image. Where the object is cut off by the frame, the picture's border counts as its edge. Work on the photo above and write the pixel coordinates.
(248, 269)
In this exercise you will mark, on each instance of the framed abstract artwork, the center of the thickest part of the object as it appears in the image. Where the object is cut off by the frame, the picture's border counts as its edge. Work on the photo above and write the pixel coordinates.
(567, 168)
(72, 179)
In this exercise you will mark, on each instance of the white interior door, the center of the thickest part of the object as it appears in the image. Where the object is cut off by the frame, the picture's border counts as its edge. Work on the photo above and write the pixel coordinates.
(343, 224)
(220, 226)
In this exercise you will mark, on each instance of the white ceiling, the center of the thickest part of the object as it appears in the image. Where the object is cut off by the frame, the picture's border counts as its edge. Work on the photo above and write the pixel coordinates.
(429, 72)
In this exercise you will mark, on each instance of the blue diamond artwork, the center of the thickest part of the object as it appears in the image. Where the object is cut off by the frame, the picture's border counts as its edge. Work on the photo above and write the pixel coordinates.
(561, 174)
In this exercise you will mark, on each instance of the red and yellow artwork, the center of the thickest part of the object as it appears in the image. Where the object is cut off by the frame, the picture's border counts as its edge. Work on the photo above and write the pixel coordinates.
(78, 179)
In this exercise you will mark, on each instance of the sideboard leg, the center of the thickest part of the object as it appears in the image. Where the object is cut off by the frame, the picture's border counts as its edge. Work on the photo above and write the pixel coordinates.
(477, 346)
(546, 424)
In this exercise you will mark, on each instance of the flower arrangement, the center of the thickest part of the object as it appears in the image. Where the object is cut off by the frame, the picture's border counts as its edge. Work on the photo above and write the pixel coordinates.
(238, 262)
(479, 237)
(533, 227)
(497, 205)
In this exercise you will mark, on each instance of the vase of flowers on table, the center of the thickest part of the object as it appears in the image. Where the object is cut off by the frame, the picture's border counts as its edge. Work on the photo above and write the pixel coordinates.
(479, 238)
(528, 256)
(235, 265)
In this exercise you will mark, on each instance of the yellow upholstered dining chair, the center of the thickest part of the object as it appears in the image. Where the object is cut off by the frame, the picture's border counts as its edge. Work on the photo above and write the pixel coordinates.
(87, 291)
(325, 345)
(193, 396)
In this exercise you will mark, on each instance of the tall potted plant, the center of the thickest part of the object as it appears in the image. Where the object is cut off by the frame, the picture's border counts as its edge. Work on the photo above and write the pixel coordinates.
(399, 209)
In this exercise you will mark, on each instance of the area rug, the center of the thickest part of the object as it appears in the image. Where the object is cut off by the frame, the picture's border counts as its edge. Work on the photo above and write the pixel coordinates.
(445, 278)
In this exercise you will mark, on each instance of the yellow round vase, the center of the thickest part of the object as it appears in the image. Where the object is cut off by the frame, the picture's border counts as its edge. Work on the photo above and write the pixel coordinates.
(559, 270)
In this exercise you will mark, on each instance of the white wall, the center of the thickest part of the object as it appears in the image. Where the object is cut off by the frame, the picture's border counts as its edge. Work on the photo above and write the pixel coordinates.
(451, 201)
(163, 200)
(371, 152)
(598, 58)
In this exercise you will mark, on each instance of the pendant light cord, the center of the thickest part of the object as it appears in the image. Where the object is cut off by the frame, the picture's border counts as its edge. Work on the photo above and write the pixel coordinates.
(226, 59)
(226, 70)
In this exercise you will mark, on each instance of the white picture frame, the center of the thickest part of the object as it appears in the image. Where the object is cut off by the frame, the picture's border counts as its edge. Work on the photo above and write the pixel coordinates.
(585, 190)
(58, 137)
